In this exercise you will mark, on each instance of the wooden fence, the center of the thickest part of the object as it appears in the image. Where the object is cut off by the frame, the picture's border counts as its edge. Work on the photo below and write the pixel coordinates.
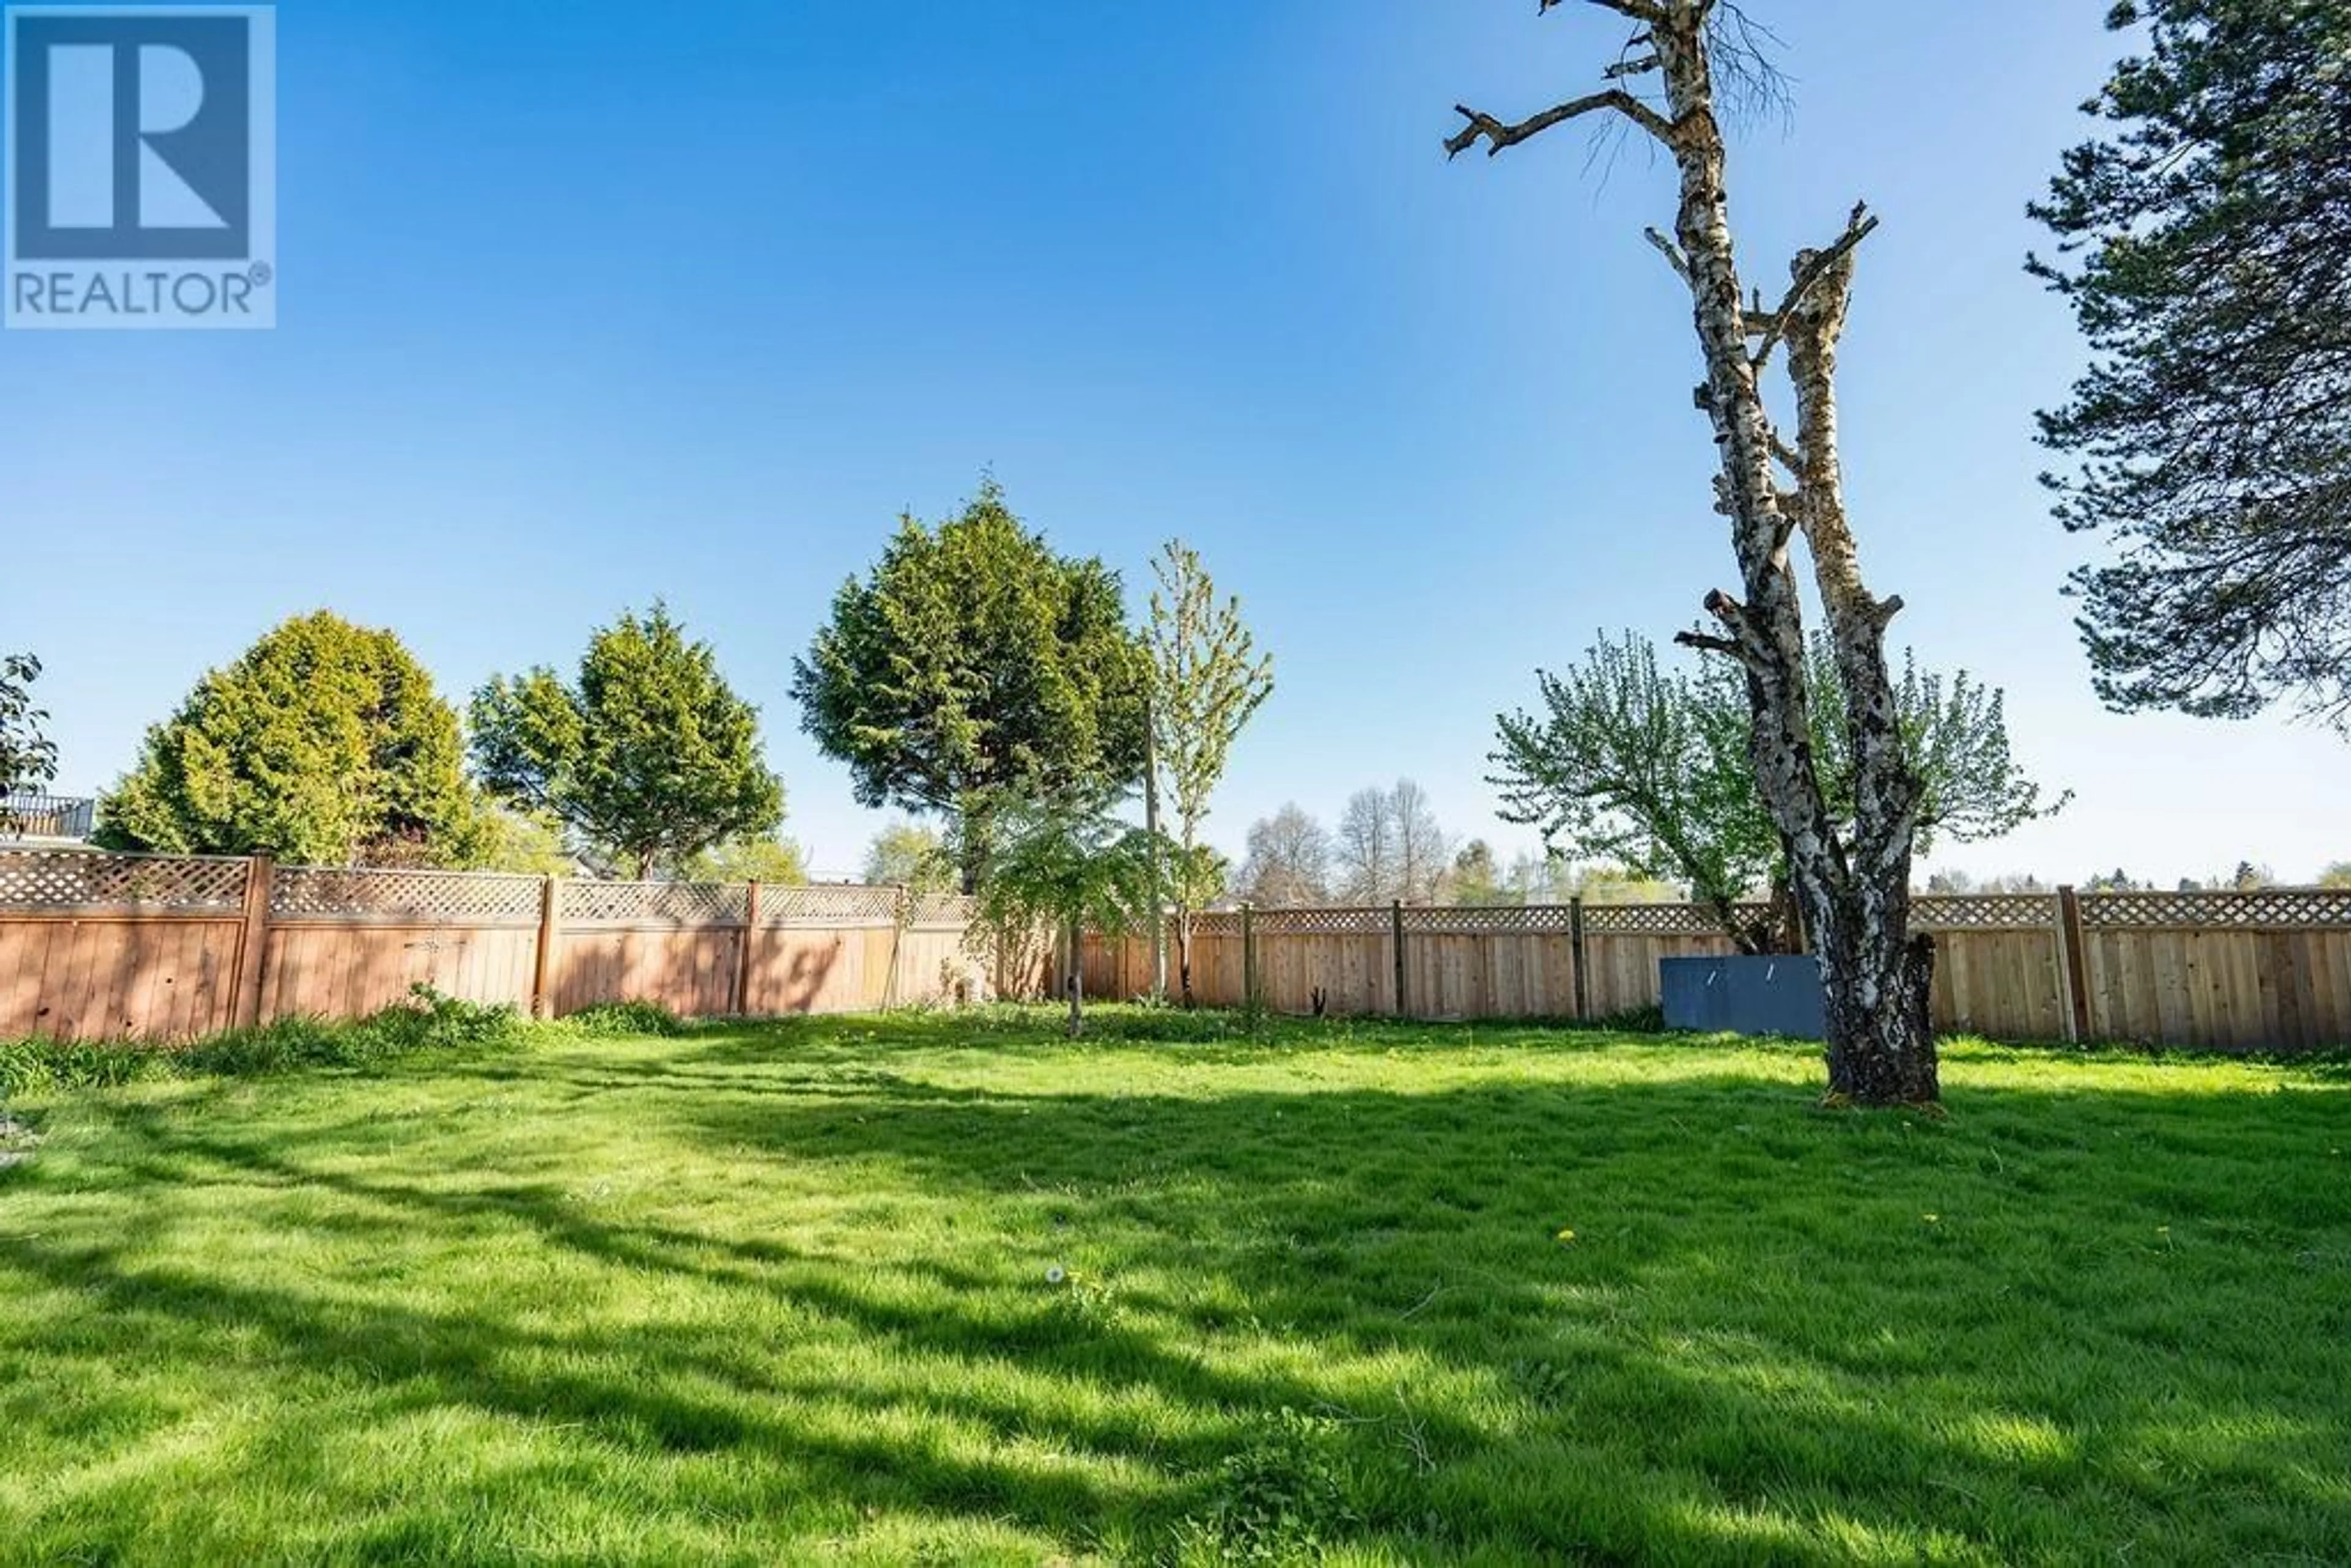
(104, 947)
(2232, 971)
(96, 946)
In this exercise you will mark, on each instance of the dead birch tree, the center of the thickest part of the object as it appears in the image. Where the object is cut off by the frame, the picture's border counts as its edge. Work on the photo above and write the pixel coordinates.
(1853, 884)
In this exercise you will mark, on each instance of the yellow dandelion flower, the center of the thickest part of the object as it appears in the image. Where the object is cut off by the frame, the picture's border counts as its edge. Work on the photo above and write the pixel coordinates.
(1567, 1236)
(1932, 1218)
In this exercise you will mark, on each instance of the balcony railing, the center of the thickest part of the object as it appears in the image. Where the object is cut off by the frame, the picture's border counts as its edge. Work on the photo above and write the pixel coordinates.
(29, 816)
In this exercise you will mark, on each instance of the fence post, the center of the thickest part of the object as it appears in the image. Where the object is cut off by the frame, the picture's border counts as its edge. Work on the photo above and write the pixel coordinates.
(1396, 943)
(253, 940)
(1248, 956)
(1575, 958)
(2075, 966)
(550, 904)
(742, 999)
(902, 913)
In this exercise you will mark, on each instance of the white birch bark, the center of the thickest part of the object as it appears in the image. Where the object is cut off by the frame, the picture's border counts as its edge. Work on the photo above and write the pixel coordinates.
(1854, 896)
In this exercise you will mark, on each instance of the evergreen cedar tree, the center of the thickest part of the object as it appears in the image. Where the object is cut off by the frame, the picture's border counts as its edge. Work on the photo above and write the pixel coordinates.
(325, 744)
(1678, 65)
(648, 755)
(2204, 243)
(1631, 763)
(972, 666)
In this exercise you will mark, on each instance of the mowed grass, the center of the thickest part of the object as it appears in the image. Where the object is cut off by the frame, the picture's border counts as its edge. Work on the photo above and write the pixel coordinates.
(788, 1294)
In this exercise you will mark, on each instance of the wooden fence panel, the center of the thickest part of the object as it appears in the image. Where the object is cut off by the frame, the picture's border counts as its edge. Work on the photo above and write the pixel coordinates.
(1353, 973)
(1217, 969)
(1621, 967)
(937, 966)
(808, 970)
(116, 978)
(317, 969)
(691, 972)
(2224, 989)
(2005, 983)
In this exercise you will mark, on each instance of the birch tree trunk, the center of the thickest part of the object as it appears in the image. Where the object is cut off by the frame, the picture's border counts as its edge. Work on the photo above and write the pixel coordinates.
(1852, 891)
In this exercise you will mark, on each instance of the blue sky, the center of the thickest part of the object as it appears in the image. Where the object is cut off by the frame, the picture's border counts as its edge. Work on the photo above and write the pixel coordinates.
(583, 304)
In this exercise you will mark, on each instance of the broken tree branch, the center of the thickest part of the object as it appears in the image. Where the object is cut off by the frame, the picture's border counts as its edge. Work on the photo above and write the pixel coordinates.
(1615, 100)
(1705, 643)
(1670, 251)
(1811, 267)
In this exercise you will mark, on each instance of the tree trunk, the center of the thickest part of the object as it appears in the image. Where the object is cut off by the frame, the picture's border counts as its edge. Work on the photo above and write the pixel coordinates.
(971, 852)
(1077, 980)
(1151, 841)
(1855, 897)
(1184, 954)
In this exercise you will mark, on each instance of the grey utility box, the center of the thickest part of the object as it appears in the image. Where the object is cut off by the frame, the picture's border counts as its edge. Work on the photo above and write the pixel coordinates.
(1778, 994)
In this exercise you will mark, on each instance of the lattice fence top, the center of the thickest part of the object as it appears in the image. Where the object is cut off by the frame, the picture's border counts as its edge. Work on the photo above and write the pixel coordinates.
(941, 909)
(1501, 919)
(2290, 907)
(1663, 919)
(1983, 911)
(1216, 922)
(80, 879)
(828, 906)
(375, 892)
(1320, 922)
(656, 902)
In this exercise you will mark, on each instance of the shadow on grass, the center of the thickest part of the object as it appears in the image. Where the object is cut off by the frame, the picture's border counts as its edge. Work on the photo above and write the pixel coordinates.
(2065, 1323)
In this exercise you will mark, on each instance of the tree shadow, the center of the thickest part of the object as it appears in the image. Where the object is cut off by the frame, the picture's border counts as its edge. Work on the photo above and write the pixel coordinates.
(1771, 1326)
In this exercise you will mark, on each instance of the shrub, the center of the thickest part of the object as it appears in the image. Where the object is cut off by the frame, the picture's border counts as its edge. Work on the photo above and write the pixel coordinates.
(278, 1047)
(427, 1020)
(627, 1017)
(28, 1066)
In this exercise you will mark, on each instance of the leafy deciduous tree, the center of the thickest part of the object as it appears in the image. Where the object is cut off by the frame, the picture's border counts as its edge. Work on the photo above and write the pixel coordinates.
(2205, 246)
(1207, 679)
(324, 743)
(1649, 767)
(524, 842)
(1065, 859)
(974, 665)
(752, 857)
(27, 757)
(1475, 878)
(908, 854)
(649, 754)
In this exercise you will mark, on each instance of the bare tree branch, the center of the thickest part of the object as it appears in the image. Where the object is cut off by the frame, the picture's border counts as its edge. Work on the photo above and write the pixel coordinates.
(1638, 10)
(1705, 643)
(1502, 135)
(1670, 251)
(1811, 267)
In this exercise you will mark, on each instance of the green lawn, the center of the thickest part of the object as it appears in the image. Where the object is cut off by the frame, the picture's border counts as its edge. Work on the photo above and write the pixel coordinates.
(787, 1293)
